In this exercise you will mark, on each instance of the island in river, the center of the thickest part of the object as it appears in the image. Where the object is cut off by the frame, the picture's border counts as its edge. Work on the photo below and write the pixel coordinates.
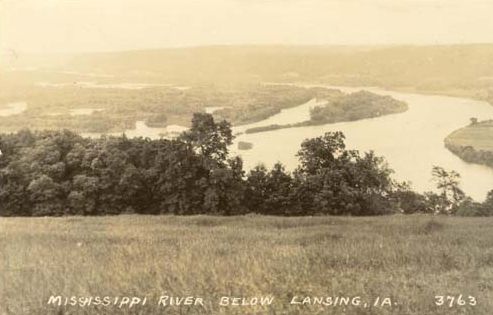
(116, 108)
(110, 108)
(341, 107)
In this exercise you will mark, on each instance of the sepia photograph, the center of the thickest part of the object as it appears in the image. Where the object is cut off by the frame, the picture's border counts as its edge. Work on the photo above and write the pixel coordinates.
(246, 157)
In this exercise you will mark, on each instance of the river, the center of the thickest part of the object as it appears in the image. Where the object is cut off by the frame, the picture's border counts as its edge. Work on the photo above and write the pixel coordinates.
(411, 142)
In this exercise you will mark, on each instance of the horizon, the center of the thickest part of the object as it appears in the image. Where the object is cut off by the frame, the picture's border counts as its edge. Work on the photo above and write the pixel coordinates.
(90, 26)
(247, 46)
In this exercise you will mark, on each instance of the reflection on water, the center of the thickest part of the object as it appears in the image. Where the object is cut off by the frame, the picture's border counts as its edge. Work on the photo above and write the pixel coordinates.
(411, 142)
(13, 109)
(142, 130)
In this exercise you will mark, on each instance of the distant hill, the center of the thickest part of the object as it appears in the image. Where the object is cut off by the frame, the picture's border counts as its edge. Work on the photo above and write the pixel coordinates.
(423, 67)
(456, 70)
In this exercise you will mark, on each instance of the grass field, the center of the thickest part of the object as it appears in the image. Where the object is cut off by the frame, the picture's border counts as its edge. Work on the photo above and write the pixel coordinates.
(409, 259)
(479, 136)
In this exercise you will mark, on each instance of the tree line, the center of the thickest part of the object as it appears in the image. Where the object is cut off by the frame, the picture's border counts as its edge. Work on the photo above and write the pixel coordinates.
(54, 173)
(470, 154)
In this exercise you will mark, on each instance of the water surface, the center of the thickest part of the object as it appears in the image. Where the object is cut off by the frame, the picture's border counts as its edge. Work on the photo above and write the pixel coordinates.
(411, 142)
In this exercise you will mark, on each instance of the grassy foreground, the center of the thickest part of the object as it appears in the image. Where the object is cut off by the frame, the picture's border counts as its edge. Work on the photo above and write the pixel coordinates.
(409, 259)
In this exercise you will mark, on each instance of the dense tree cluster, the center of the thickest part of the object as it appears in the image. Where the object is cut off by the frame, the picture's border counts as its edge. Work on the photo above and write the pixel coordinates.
(59, 172)
(330, 180)
(51, 173)
(343, 107)
(450, 199)
(118, 106)
(355, 106)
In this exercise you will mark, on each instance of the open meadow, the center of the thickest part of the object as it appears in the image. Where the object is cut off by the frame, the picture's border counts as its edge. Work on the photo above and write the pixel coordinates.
(478, 136)
(408, 259)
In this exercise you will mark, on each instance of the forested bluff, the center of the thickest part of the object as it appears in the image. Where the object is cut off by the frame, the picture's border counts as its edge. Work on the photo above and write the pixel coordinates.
(55, 173)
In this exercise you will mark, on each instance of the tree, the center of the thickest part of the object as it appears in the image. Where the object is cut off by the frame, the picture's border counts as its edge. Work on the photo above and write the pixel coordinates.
(408, 201)
(45, 196)
(256, 189)
(333, 180)
(321, 152)
(279, 185)
(269, 192)
(13, 201)
(225, 189)
(84, 197)
(489, 200)
(208, 138)
(450, 193)
(470, 208)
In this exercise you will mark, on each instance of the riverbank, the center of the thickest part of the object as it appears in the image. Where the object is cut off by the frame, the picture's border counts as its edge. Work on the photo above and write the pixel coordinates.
(409, 259)
(473, 93)
(473, 143)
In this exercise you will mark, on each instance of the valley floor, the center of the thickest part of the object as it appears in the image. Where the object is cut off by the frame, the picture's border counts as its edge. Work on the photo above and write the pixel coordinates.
(407, 259)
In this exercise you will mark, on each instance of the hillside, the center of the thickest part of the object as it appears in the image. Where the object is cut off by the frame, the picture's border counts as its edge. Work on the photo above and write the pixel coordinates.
(409, 259)
(453, 68)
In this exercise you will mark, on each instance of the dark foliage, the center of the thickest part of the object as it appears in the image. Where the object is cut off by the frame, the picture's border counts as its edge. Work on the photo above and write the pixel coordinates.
(54, 173)
(355, 106)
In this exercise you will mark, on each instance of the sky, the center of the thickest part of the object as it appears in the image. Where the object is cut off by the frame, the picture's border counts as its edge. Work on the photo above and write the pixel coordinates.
(44, 26)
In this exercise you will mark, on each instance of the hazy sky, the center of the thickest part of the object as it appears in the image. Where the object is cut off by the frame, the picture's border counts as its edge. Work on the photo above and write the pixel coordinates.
(100, 25)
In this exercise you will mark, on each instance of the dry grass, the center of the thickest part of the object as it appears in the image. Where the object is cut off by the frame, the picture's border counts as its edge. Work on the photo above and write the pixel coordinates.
(408, 258)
